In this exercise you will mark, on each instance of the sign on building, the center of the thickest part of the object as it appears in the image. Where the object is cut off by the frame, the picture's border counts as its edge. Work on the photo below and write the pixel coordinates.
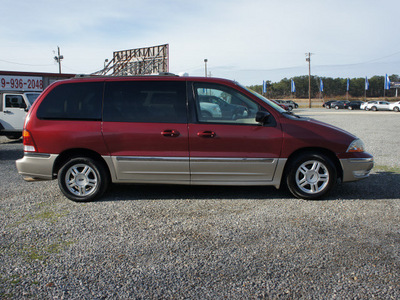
(21, 83)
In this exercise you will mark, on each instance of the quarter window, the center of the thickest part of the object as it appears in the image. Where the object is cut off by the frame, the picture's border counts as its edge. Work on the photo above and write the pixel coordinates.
(73, 101)
(145, 101)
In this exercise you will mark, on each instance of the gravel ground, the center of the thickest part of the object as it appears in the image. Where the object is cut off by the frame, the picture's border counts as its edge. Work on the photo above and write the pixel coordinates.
(169, 242)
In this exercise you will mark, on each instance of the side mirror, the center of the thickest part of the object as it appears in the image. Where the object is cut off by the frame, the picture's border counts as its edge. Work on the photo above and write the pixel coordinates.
(262, 117)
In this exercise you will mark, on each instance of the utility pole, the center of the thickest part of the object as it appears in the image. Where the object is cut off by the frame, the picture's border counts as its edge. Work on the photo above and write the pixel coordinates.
(58, 59)
(205, 66)
(308, 58)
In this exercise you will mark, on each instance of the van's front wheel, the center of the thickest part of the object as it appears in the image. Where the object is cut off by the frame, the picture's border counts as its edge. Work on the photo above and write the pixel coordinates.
(311, 176)
(83, 179)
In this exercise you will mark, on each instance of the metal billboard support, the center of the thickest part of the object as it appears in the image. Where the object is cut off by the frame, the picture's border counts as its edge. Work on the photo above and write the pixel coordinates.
(141, 61)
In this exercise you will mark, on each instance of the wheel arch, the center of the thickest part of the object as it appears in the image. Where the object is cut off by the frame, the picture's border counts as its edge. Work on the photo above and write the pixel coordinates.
(315, 150)
(66, 155)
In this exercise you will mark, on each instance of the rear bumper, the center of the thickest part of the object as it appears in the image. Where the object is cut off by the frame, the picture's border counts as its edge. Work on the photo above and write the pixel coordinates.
(356, 168)
(36, 166)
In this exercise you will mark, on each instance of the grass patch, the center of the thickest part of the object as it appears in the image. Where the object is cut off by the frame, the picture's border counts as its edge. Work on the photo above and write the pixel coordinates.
(45, 215)
(388, 169)
(49, 216)
(41, 253)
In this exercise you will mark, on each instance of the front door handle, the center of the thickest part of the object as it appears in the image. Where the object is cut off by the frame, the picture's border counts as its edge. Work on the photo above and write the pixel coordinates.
(206, 134)
(170, 133)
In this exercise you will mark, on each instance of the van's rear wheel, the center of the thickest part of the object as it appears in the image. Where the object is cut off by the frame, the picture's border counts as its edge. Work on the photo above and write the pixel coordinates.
(83, 179)
(311, 176)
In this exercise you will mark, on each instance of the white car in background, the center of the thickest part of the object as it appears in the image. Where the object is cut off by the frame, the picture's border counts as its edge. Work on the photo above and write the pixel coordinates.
(210, 110)
(378, 105)
(364, 105)
(395, 106)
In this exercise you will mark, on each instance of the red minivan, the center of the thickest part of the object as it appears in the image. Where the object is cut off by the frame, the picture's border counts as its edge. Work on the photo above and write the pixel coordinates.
(89, 132)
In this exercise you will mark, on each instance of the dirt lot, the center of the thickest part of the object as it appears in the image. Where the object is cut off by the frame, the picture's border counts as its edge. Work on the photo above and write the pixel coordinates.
(207, 242)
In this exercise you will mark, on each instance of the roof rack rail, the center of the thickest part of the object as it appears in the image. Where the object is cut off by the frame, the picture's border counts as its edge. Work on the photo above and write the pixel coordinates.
(84, 75)
(167, 74)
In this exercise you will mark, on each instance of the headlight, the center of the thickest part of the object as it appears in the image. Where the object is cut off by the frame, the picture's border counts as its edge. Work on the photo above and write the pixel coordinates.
(356, 146)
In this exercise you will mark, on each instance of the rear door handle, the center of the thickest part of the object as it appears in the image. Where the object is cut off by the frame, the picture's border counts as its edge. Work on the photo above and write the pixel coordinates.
(206, 134)
(170, 133)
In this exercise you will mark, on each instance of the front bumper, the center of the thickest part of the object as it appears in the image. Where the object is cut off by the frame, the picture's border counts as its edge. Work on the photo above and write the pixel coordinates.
(356, 168)
(36, 166)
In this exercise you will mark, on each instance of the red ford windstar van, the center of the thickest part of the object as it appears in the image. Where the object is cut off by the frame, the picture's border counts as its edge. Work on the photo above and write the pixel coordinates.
(89, 132)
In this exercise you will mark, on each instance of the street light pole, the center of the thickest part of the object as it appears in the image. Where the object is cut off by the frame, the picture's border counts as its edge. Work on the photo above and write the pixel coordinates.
(205, 66)
(58, 59)
(308, 58)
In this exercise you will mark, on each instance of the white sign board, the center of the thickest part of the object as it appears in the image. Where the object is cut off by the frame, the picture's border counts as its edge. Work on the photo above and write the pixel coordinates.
(21, 83)
(395, 85)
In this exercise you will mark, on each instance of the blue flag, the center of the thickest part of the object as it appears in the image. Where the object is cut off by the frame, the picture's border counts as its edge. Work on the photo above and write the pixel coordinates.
(321, 85)
(293, 87)
(387, 82)
(366, 84)
(348, 84)
(264, 86)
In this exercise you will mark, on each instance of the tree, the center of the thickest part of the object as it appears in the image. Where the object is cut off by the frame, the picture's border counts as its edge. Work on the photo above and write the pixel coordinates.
(333, 87)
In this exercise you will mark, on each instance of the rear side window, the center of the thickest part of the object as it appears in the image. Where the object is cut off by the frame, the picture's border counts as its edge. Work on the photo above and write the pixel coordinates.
(73, 101)
(145, 101)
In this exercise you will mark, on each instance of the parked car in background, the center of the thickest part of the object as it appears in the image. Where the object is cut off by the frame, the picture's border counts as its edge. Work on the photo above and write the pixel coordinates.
(340, 104)
(209, 110)
(327, 104)
(291, 102)
(355, 104)
(378, 105)
(395, 106)
(364, 105)
(14, 106)
(284, 105)
(227, 110)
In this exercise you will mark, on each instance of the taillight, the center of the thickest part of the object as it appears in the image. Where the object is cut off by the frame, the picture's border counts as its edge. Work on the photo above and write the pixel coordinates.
(29, 144)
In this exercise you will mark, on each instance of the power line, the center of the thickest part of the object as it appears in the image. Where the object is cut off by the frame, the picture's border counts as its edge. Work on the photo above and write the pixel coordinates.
(21, 64)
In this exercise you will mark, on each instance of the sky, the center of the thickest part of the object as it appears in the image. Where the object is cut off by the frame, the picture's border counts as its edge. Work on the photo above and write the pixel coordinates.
(248, 41)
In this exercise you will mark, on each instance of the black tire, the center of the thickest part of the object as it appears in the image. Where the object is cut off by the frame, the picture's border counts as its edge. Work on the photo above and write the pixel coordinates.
(396, 109)
(336, 107)
(83, 179)
(14, 136)
(373, 108)
(310, 176)
(350, 107)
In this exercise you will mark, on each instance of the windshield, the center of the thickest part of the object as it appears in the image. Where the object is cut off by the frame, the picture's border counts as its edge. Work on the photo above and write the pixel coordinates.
(269, 102)
(32, 97)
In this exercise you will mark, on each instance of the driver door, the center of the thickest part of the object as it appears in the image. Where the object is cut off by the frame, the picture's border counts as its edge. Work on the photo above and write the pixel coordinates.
(232, 150)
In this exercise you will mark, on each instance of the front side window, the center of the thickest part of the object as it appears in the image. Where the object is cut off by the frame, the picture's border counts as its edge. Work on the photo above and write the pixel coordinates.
(73, 101)
(145, 101)
(15, 101)
(221, 104)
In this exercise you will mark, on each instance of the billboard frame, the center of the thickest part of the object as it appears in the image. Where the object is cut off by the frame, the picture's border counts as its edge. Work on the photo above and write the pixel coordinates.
(140, 61)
